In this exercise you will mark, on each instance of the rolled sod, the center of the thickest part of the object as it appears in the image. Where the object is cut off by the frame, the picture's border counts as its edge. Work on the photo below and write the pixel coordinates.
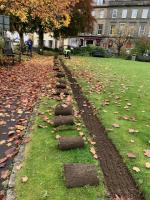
(56, 68)
(67, 143)
(63, 110)
(79, 175)
(62, 81)
(63, 120)
(59, 91)
(60, 74)
(61, 86)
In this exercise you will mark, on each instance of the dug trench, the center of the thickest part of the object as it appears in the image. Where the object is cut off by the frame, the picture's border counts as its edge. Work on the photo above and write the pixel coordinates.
(118, 179)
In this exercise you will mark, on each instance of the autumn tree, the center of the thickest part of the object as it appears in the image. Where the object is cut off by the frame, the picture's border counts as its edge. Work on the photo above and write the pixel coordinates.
(46, 13)
(122, 35)
(81, 20)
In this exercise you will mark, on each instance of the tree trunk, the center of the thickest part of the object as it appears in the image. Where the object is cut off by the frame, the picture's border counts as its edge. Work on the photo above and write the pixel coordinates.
(21, 41)
(41, 40)
(119, 51)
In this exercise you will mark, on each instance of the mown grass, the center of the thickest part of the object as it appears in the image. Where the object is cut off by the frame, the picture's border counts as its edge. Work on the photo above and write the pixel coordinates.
(43, 165)
(124, 83)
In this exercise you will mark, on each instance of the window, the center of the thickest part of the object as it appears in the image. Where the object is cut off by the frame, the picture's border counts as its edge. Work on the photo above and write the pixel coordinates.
(102, 14)
(50, 43)
(112, 29)
(134, 13)
(145, 13)
(114, 13)
(100, 29)
(124, 13)
(142, 29)
(149, 32)
(93, 13)
(99, 2)
(122, 26)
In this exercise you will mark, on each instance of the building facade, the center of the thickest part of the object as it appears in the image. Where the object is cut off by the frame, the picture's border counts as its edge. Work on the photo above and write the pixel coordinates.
(112, 14)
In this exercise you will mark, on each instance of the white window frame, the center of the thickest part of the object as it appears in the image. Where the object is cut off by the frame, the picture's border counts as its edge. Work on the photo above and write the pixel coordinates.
(100, 2)
(101, 14)
(114, 13)
(145, 13)
(124, 13)
(100, 29)
(142, 32)
(134, 13)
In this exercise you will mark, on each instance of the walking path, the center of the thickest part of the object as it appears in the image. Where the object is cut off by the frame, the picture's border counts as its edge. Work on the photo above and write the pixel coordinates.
(20, 88)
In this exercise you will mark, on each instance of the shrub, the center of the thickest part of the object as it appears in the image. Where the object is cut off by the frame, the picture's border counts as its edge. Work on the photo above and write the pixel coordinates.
(142, 45)
(89, 50)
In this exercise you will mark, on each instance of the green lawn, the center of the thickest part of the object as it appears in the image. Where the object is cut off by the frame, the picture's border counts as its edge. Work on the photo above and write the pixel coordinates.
(126, 88)
(43, 164)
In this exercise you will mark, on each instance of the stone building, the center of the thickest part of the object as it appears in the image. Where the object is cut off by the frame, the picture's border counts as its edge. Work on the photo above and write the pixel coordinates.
(112, 14)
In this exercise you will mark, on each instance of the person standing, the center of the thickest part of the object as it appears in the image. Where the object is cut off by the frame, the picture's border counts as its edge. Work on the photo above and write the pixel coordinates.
(30, 46)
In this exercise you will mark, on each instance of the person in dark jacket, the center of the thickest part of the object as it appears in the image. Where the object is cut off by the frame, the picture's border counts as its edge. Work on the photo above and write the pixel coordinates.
(30, 46)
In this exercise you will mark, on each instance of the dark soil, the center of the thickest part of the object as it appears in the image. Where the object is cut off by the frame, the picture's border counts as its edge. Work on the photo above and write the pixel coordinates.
(118, 179)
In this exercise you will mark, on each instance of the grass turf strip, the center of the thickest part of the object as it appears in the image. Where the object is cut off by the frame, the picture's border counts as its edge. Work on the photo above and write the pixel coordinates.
(126, 86)
(43, 165)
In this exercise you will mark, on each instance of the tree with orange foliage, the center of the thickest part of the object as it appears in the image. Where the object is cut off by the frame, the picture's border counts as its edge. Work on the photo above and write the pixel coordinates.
(47, 13)
(81, 20)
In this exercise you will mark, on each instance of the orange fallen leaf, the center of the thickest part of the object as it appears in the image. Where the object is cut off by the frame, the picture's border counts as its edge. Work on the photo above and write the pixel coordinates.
(147, 153)
(131, 155)
(5, 174)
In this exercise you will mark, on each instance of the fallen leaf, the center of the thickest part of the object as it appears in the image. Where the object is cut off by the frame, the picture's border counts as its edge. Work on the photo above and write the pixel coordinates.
(136, 169)
(147, 153)
(147, 165)
(20, 127)
(18, 167)
(132, 141)
(116, 125)
(5, 174)
(26, 140)
(2, 142)
(131, 130)
(3, 160)
(58, 137)
(131, 155)
(2, 123)
(81, 134)
(24, 179)
(92, 150)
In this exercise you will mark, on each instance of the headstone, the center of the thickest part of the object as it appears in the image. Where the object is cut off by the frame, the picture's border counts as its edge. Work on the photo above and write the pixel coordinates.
(79, 175)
